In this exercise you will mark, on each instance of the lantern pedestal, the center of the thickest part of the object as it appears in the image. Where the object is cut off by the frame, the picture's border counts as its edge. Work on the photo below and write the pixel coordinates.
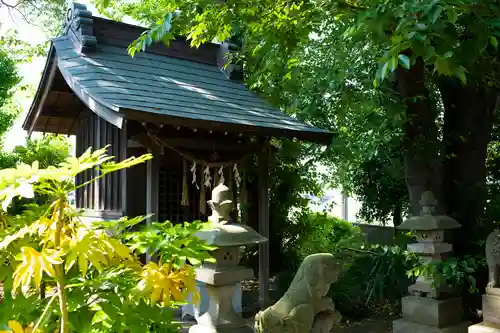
(404, 326)
(491, 313)
(430, 308)
(222, 278)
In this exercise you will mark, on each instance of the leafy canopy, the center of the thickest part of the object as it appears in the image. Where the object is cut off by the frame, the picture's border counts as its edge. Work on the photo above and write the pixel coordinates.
(333, 64)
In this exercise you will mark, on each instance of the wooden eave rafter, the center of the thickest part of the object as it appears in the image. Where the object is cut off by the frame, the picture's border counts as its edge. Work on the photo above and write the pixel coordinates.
(42, 91)
(316, 137)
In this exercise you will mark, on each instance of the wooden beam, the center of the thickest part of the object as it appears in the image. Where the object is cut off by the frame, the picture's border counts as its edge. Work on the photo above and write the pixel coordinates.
(58, 113)
(313, 136)
(263, 180)
(52, 67)
(197, 143)
(65, 94)
(123, 154)
(97, 145)
(111, 215)
(134, 144)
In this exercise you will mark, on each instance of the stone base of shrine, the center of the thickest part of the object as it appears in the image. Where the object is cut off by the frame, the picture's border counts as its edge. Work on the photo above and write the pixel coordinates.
(482, 328)
(204, 329)
(405, 326)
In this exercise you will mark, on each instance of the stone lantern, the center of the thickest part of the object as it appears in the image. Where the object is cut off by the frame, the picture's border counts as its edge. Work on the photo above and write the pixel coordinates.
(430, 308)
(222, 277)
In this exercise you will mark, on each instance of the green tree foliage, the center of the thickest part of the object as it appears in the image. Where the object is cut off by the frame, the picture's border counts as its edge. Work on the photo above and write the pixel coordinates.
(49, 150)
(47, 15)
(8, 79)
(410, 51)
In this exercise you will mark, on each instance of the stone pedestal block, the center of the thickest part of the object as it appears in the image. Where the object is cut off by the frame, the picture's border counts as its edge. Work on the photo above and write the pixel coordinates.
(221, 277)
(196, 311)
(405, 326)
(432, 312)
(220, 316)
(204, 329)
(491, 310)
(482, 328)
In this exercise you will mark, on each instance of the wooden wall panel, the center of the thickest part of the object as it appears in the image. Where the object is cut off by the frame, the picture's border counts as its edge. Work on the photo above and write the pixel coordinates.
(105, 194)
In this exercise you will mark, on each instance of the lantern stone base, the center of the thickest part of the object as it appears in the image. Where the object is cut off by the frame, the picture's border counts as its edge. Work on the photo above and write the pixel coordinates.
(491, 307)
(405, 326)
(491, 313)
(220, 316)
(204, 329)
(482, 328)
(432, 312)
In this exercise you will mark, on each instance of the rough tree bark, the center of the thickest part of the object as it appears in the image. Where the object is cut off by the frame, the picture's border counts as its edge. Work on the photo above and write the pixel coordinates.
(454, 168)
(421, 142)
(468, 121)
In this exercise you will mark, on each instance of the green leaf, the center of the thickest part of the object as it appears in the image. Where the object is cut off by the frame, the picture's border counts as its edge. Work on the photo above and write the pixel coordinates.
(452, 15)
(99, 316)
(384, 70)
(396, 39)
(394, 64)
(429, 53)
(404, 61)
(448, 54)
(461, 74)
(442, 66)
(436, 13)
(494, 41)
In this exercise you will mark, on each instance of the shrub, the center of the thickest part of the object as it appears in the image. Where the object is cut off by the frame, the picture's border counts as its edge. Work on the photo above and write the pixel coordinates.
(49, 150)
(375, 278)
(319, 232)
(59, 273)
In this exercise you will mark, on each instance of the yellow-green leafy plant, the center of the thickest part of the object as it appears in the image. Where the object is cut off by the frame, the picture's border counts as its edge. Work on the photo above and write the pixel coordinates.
(62, 274)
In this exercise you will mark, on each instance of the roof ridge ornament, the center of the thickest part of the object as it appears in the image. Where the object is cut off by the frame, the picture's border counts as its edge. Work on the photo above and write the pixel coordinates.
(226, 62)
(79, 26)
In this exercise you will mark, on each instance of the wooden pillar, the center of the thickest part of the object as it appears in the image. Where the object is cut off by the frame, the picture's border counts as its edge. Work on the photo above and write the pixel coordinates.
(151, 191)
(123, 155)
(97, 145)
(263, 176)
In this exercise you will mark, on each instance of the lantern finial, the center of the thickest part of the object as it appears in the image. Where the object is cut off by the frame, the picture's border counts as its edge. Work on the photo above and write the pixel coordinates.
(428, 203)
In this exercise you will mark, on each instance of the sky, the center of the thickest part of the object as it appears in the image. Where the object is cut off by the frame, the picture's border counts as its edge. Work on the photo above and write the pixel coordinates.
(31, 73)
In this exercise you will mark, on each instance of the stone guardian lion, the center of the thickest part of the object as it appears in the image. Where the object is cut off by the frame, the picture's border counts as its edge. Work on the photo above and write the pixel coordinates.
(305, 306)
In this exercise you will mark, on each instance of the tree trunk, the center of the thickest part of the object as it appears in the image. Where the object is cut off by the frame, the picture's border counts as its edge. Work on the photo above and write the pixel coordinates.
(421, 135)
(397, 215)
(468, 123)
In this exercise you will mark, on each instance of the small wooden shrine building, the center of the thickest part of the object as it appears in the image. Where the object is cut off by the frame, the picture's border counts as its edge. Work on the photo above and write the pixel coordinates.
(179, 103)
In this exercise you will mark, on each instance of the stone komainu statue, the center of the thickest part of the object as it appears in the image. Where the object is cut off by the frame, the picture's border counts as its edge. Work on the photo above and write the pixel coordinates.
(493, 258)
(305, 307)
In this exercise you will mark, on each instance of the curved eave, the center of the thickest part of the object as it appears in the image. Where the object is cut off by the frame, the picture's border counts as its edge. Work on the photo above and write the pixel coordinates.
(108, 112)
